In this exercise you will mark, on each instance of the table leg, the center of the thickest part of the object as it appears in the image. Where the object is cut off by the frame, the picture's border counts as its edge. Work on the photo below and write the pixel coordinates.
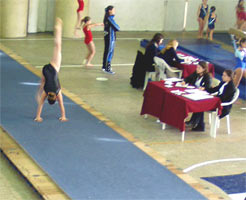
(145, 116)
(183, 136)
(214, 122)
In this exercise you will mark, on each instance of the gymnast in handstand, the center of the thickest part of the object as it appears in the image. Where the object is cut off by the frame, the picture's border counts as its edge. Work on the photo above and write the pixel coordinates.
(50, 86)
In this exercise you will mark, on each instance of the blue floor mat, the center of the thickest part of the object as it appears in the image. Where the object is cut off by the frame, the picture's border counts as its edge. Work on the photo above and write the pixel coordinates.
(223, 37)
(231, 184)
(86, 158)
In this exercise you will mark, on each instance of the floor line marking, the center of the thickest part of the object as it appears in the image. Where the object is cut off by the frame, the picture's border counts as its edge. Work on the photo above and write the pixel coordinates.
(67, 39)
(81, 66)
(212, 162)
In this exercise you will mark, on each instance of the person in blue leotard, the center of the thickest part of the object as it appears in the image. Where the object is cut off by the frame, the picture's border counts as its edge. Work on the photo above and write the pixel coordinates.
(202, 14)
(110, 28)
(240, 68)
(211, 23)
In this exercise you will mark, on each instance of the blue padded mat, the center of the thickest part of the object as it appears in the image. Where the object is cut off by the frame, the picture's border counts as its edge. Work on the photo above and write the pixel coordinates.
(86, 158)
(231, 184)
(223, 37)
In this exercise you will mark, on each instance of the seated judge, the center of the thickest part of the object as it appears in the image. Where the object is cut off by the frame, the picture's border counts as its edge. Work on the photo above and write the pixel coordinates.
(151, 51)
(225, 91)
(200, 79)
(169, 53)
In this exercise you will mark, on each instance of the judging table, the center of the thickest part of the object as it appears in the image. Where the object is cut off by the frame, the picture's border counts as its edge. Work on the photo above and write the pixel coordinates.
(190, 67)
(172, 109)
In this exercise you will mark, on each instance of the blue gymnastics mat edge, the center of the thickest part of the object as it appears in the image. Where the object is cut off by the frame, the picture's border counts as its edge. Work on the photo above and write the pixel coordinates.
(135, 145)
(31, 164)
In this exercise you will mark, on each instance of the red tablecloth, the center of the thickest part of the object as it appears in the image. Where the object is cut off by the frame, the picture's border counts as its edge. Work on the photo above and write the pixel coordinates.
(172, 109)
(188, 69)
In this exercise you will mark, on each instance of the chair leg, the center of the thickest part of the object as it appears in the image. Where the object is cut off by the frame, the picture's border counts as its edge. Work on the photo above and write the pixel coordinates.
(183, 136)
(218, 123)
(214, 124)
(163, 127)
(180, 75)
(146, 80)
(228, 124)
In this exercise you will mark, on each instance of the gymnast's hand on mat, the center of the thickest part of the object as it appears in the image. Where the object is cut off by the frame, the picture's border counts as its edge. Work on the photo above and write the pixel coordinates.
(38, 119)
(63, 119)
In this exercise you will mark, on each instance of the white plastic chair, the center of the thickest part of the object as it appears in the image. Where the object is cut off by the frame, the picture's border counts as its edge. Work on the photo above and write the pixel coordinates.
(235, 97)
(162, 65)
(148, 75)
(160, 68)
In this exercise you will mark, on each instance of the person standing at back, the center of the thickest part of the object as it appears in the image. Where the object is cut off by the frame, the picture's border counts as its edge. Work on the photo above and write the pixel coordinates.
(87, 25)
(79, 16)
(211, 23)
(110, 29)
(202, 14)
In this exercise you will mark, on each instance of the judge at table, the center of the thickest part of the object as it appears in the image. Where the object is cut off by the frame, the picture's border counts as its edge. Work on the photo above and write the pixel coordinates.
(225, 91)
(151, 51)
(169, 53)
(200, 79)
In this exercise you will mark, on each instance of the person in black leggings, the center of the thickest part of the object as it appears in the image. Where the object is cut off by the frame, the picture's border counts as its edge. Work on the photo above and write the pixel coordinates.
(50, 86)
(110, 29)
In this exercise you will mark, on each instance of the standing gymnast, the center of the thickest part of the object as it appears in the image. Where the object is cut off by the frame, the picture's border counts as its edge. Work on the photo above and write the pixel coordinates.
(240, 69)
(110, 28)
(87, 25)
(50, 86)
(79, 17)
(211, 23)
(202, 13)
(241, 15)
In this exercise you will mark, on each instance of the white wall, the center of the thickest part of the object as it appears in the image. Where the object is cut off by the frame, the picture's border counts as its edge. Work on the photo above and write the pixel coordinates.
(139, 15)
(174, 15)
(41, 15)
(131, 15)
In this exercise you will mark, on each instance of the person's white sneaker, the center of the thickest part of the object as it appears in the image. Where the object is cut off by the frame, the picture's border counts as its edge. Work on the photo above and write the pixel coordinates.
(109, 72)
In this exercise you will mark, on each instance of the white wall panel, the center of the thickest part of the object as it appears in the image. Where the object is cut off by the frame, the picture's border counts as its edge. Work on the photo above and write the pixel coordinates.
(41, 15)
(50, 17)
(132, 15)
(33, 16)
(174, 15)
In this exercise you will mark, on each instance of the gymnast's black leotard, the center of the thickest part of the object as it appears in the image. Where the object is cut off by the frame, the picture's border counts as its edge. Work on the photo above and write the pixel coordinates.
(203, 12)
(52, 83)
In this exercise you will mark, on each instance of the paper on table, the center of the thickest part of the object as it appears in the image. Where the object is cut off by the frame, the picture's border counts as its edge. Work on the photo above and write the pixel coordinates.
(173, 79)
(196, 97)
(196, 91)
(186, 62)
(191, 87)
(177, 92)
(181, 55)
(180, 85)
